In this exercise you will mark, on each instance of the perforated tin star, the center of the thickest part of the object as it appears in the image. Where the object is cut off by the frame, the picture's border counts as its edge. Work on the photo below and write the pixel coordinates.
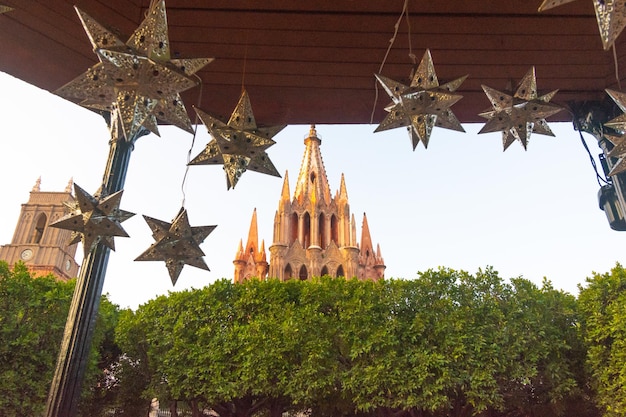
(619, 140)
(423, 105)
(94, 219)
(519, 115)
(610, 14)
(238, 145)
(4, 9)
(137, 81)
(176, 243)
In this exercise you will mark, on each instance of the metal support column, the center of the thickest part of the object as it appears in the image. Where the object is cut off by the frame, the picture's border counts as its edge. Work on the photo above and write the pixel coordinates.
(65, 390)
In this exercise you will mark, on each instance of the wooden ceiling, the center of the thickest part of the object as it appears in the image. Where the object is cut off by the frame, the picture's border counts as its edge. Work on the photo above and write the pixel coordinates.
(314, 61)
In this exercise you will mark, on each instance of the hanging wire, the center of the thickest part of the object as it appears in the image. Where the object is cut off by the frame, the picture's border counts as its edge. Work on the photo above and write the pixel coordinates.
(619, 84)
(405, 9)
(193, 140)
(601, 180)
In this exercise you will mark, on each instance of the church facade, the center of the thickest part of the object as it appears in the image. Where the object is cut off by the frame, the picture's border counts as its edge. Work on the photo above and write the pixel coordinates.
(43, 249)
(314, 232)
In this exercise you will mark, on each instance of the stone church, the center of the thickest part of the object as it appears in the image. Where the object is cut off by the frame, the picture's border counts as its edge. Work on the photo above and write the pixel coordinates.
(43, 249)
(314, 232)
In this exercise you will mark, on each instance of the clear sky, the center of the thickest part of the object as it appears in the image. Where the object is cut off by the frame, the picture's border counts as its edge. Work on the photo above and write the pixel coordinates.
(463, 203)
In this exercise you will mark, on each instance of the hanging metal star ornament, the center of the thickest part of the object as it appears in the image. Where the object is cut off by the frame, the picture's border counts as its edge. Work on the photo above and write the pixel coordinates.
(136, 81)
(422, 105)
(521, 114)
(619, 140)
(4, 9)
(610, 14)
(94, 219)
(176, 243)
(238, 145)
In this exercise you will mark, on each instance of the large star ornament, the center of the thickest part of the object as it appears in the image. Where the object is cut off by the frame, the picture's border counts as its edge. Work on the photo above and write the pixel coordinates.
(610, 14)
(94, 219)
(619, 140)
(238, 145)
(176, 243)
(137, 81)
(422, 105)
(521, 114)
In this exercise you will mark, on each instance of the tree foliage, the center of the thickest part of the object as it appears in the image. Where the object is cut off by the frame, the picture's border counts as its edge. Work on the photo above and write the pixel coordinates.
(33, 312)
(447, 343)
(603, 305)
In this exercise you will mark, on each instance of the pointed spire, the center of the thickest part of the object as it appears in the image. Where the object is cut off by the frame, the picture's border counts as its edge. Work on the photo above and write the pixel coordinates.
(312, 172)
(343, 191)
(240, 250)
(70, 185)
(284, 195)
(263, 255)
(37, 186)
(353, 231)
(366, 238)
(253, 236)
(378, 252)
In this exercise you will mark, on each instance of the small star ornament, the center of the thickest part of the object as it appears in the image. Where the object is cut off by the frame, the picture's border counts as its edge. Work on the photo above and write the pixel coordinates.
(136, 81)
(521, 114)
(94, 219)
(238, 145)
(422, 105)
(610, 14)
(619, 140)
(177, 243)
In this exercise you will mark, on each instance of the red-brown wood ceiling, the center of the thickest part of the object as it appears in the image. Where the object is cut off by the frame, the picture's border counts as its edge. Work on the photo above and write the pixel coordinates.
(313, 61)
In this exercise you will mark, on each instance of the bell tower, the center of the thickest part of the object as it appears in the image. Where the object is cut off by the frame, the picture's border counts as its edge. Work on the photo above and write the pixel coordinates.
(43, 249)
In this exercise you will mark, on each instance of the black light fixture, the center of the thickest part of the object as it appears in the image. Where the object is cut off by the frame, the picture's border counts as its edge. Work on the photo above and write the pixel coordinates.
(608, 201)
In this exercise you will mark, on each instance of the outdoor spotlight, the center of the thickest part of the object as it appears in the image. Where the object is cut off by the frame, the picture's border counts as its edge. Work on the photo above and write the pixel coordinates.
(608, 201)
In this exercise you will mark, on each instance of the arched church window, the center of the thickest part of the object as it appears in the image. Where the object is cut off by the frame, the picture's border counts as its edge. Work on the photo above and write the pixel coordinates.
(288, 272)
(324, 271)
(293, 228)
(322, 230)
(340, 272)
(39, 228)
(334, 230)
(303, 273)
(312, 177)
(306, 233)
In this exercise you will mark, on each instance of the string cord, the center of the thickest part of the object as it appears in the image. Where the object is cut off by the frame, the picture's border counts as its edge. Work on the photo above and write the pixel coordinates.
(193, 140)
(405, 9)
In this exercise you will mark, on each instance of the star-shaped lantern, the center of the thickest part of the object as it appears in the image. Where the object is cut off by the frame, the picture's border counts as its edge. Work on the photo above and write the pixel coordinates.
(610, 14)
(521, 114)
(94, 219)
(238, 145)
(618, 141)
(422, 105)
(176, 243)
(136, 80)
(4, 9)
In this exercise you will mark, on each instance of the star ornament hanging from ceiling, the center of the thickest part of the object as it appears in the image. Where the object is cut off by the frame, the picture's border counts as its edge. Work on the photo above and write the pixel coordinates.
(94, 219)
(610, 14)
(238, 145)
(619, 140)
(177, 244)
(136, 80)
(519, 115)
(422, 105)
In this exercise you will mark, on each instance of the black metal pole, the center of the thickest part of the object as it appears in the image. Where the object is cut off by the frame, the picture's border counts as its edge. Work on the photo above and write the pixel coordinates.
(65, 390)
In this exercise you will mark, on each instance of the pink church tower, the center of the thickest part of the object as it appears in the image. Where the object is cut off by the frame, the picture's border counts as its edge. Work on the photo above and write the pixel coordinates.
(314, 232)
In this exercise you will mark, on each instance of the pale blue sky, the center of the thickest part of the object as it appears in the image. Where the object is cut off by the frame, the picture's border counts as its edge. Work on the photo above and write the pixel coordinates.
(463, 203)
